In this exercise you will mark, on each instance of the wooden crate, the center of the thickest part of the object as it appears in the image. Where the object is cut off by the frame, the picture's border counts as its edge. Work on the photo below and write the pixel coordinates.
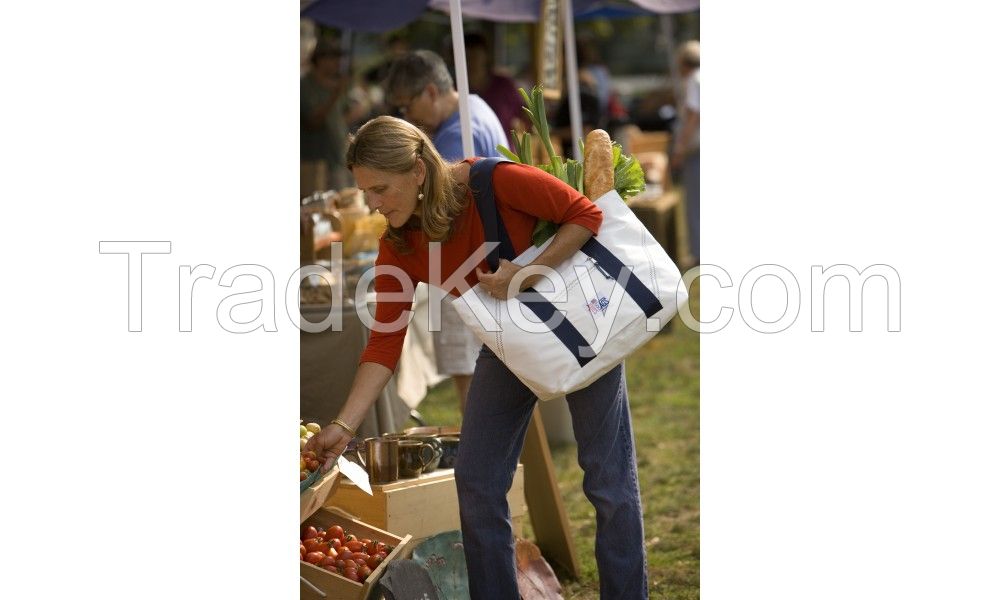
(638, 141)
(421, 507)
(658, 212)
(341, 588)
(315, 496)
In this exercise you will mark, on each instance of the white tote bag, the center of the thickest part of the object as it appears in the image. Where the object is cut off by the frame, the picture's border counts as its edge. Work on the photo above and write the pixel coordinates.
(609, 299)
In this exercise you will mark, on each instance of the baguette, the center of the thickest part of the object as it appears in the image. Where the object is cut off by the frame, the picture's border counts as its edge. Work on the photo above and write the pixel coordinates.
(598, 164)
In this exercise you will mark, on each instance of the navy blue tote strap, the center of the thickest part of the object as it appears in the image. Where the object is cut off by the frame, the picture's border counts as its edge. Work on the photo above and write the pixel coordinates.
(481, 182)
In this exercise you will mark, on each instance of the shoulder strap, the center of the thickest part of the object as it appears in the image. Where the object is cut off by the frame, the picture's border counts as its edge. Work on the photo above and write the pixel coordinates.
(481, 182)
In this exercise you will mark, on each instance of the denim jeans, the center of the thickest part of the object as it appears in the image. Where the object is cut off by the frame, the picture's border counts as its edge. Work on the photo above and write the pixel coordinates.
(496, 418)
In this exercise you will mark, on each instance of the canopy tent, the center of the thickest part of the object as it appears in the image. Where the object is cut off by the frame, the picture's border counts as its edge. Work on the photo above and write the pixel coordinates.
(386, 15)
(527, 11)
(372, 16)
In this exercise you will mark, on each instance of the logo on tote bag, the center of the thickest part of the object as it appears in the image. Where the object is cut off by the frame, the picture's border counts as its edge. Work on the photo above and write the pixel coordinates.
(598, 305)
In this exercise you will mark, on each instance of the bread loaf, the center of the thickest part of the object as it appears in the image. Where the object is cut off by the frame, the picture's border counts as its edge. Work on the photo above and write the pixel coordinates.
(598, 164)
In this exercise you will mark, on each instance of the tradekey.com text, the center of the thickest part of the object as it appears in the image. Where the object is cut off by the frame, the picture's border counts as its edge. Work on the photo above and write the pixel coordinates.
(768, 297)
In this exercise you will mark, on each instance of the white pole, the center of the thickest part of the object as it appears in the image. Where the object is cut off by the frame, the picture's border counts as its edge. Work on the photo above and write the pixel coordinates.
(462, 75)
(572, 79)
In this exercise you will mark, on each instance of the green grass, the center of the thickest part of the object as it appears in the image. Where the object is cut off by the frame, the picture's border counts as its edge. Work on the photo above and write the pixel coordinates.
(663, 384)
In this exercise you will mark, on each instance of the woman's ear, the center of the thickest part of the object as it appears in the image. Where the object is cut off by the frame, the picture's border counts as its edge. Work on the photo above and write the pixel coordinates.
(420, 171)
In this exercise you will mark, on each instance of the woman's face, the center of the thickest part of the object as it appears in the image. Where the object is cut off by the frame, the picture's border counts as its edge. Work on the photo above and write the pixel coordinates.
(392, 194)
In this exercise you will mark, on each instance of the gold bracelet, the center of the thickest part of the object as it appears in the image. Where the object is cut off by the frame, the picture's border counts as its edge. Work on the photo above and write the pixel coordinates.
(345, 426)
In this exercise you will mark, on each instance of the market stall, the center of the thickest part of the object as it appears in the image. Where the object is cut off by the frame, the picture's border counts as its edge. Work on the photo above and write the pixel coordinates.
(414, 506)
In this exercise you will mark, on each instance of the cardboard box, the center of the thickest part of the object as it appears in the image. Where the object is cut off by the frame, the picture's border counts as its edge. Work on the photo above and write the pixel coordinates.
(421, 507)
(341, 588)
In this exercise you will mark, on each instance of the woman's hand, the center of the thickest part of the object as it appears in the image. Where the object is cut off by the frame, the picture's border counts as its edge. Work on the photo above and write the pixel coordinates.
(569, 238)
(329, 444)
(498, 284)
(331, 441)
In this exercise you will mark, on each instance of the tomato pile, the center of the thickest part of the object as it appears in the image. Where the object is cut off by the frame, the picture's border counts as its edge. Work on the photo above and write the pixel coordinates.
(345, 555)
(307, 464)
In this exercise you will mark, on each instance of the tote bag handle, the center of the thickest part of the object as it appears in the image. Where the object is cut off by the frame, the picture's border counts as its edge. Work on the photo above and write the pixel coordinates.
(481, 180)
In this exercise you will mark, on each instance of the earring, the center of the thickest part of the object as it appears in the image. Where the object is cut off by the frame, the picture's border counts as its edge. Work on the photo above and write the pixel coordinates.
(420, 196)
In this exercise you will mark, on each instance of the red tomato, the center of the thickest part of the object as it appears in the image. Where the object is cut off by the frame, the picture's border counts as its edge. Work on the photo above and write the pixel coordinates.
(381, 547)
(338, 532)
(340, 564)
(309, 532)
(302, 549)
(334, 541)
(332, 569)
(351, 574)
(314, 557)
(374, 561)
(350, 537)
(360, 558)
(316, 545)
(355, 545)
(350, 564)
(343, 551)
(364, 572)
(328, 561)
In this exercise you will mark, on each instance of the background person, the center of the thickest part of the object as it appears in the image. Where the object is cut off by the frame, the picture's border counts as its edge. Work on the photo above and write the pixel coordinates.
(588, 58)
(687, 148)
(322, 123)
(425, 199)
(496, 89)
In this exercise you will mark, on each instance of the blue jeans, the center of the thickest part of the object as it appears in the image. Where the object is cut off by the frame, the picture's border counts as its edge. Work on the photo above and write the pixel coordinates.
(496, 418)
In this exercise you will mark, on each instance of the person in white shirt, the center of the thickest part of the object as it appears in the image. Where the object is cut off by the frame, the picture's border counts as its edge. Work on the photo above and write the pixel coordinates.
(687, 147)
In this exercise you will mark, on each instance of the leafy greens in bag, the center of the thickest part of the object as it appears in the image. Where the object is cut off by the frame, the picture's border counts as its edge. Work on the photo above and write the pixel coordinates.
(629, 178)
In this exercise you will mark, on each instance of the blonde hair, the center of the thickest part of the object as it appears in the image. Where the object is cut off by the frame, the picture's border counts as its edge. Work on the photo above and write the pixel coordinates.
(690, 54)
(394, 145)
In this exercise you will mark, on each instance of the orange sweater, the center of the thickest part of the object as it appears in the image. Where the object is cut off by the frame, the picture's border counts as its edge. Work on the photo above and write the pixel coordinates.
(523, 194)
